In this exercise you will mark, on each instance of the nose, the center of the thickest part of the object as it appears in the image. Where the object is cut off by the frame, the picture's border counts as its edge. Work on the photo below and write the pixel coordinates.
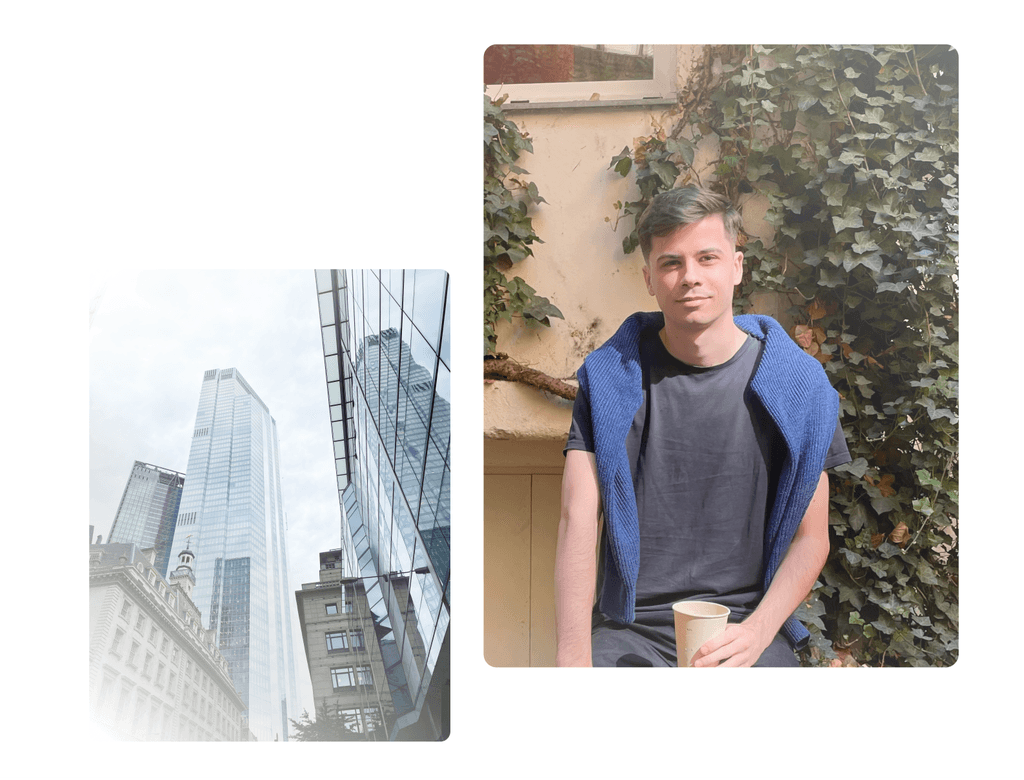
(690, 276)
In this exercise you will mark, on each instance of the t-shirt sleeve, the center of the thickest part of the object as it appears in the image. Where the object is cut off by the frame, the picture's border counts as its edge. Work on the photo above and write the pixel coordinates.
(838, 453)
(581, 436)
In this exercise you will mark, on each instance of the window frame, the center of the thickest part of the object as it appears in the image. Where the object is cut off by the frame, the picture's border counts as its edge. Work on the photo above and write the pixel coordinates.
(341, 645)
(662, 88)
(343, 672)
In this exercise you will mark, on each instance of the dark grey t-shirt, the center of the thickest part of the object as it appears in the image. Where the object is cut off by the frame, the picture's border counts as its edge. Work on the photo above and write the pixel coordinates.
(700, 448)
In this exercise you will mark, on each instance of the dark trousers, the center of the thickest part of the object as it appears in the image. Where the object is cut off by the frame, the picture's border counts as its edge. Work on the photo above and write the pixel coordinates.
(614, 644)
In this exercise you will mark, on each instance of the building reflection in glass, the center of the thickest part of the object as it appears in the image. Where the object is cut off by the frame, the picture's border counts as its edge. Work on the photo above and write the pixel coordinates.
(386, 336)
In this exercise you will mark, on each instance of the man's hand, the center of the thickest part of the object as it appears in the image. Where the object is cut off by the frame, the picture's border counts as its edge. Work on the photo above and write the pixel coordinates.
(739, 645)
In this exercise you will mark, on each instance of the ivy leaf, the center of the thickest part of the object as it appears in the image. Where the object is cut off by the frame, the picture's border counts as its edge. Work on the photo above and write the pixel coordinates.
(851, 218)
(622, 162)
(682, 147)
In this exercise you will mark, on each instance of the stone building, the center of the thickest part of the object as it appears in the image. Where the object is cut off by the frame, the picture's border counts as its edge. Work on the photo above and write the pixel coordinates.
(155, 673)
(346, 667)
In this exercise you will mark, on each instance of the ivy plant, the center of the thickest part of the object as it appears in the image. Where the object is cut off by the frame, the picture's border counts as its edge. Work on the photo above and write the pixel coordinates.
(508, 229)
(856, 150)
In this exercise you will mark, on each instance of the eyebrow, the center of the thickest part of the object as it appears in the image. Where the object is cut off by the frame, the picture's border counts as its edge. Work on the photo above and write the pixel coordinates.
(707, 251)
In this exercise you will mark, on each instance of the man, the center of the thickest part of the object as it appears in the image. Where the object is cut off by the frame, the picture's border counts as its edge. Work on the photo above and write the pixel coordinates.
(702, 439)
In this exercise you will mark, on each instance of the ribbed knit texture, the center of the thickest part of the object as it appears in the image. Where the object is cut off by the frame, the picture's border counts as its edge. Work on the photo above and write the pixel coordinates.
(796, 394)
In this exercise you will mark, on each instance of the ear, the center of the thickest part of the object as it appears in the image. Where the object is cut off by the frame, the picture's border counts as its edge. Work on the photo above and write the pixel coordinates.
(738, 270)
(647, 278)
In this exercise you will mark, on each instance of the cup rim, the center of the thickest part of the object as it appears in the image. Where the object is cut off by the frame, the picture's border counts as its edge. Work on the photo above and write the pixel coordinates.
(720, 609)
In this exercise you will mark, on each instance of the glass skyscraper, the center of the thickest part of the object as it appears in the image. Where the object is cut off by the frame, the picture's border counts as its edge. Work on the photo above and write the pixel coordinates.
(148, 509)
(231, 517)
(386, 336)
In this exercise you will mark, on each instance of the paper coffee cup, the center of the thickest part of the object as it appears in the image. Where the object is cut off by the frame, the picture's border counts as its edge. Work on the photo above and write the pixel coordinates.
(696, 623)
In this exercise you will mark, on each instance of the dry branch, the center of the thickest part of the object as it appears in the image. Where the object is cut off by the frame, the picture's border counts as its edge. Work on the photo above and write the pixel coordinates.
(509, 370)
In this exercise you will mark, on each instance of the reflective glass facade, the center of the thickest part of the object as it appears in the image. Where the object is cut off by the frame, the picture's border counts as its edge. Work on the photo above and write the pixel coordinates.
(231, 517)
(386, 336)
(148, 509)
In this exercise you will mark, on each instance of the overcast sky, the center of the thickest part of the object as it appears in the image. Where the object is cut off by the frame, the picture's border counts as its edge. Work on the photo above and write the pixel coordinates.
(152, 336)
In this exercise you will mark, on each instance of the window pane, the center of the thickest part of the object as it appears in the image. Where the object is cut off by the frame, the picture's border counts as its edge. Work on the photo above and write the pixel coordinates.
(549, 64)
(323, 280)
(326, 308)
(428, 299)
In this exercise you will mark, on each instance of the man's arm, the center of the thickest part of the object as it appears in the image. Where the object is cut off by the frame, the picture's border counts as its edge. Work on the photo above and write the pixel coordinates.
(741, 644)
(575, 558)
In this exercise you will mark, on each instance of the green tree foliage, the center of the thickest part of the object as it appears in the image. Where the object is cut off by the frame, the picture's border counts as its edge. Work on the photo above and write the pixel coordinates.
(856, 150)
(508, 231)
(328, 726)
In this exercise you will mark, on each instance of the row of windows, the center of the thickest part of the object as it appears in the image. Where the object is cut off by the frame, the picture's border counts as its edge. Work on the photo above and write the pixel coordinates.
(359, 720)
(351, 676)
(159, 722)
(343, 641)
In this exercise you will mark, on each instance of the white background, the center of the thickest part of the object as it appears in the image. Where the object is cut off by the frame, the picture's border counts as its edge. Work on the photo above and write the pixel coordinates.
(270, 135)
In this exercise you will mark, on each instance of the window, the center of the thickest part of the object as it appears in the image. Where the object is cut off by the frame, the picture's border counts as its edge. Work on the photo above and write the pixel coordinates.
(163, 646)
(337, 642)
(125, 609)
(342, 677)
(364, 675)
(115, 646)
(350, 718)
(372, 718)
(152, 635)
(160, 673)
(131, 654)
(332, 609)
(357, 639)
(590, 74)
(140, 623)
(146, 664)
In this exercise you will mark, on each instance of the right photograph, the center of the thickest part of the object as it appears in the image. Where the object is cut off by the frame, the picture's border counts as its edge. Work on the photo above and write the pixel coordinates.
(721, 363)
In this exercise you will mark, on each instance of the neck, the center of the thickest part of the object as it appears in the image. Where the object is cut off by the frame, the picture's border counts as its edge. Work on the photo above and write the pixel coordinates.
(703, 348)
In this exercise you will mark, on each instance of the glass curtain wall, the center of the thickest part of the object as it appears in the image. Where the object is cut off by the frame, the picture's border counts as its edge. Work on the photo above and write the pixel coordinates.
(386, 340)
(232, 518)
(148, 511)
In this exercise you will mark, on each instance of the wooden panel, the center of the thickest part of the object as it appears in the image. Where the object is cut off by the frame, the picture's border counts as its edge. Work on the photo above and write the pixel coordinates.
(546, 505)
(507, 570)
(519, 456)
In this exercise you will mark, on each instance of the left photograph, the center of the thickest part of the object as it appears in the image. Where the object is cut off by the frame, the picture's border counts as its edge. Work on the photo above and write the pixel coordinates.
(269, 530)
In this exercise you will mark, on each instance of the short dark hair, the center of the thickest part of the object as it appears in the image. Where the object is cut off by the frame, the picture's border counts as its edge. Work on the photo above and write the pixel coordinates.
(683, 206)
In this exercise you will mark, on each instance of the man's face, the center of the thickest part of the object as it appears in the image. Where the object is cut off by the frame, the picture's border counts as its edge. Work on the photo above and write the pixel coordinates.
(692, 272)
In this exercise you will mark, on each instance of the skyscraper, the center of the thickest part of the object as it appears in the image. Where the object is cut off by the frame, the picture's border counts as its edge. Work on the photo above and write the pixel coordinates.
(148, 509)
(232, 518)
(386, 337)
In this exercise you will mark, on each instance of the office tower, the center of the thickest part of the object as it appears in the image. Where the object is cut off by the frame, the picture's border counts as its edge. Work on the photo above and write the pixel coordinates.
(154, 672)
(386, 337)
(231, 517)
(148, 510)
(342, 654)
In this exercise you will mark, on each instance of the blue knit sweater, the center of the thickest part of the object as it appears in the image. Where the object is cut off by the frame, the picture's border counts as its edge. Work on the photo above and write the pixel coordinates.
(794, 391)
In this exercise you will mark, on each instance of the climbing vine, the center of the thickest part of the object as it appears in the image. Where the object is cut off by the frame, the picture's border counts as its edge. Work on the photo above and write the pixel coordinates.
(855, 149)
(508, 228)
